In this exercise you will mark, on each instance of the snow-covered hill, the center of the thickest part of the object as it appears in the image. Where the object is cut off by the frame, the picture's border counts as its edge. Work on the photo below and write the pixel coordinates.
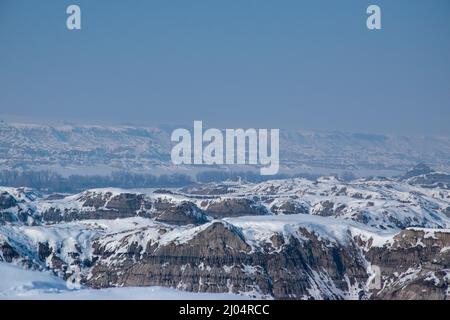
(291, 238)
(83, 149)
(381, 203)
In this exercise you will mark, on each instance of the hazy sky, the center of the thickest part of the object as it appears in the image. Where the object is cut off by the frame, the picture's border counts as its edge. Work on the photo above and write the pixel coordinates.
(278, 64)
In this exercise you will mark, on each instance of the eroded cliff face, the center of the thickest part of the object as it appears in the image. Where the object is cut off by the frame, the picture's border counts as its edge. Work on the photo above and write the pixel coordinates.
(274, 241)
(219, 259)
(415, 266)
(16, 206)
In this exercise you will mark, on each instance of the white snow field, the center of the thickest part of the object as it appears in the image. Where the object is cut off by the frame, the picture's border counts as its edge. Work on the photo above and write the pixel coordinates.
(20, 284)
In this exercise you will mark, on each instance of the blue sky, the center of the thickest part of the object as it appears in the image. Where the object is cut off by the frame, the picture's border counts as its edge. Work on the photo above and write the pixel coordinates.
(231, 63)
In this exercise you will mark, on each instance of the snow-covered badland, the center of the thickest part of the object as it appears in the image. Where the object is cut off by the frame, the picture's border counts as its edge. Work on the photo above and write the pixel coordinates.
(282, 239)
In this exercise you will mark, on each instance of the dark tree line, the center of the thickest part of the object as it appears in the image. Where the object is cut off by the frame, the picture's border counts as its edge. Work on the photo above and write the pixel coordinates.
(216, 176)
(53, 182)
(46, 180)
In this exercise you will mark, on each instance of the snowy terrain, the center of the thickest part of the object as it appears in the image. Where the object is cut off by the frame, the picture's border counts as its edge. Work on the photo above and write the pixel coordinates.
(83, 149)
(19, 284)
(210, 237)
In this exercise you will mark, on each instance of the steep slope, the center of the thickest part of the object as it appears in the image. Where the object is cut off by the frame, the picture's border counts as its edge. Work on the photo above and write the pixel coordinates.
(17, 206)
(284, 239)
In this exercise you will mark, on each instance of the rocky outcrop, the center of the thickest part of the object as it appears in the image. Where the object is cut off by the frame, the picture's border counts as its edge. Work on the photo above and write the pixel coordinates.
(12, 252)
(7, 252)
(7, 200)
(415, 266)
(97, 205)
(219, 259)
(16, 206)
(179, 214)
(234, 207)
(289, 207)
